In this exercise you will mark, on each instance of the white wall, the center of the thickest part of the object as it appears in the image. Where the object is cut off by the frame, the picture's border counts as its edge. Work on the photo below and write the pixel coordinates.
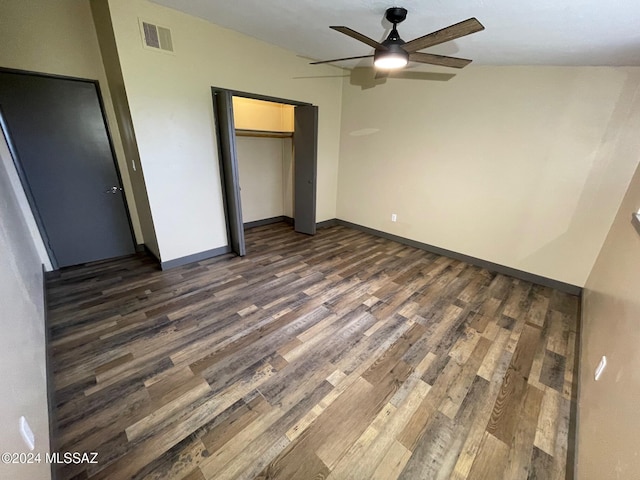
(608, 424)
(171, 108)
(23, 203)
(22, 342)
(521, 166)
(266, 182)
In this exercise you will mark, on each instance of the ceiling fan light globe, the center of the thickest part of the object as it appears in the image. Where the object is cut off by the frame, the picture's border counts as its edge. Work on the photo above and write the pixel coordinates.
(392, 58)
(390, 61)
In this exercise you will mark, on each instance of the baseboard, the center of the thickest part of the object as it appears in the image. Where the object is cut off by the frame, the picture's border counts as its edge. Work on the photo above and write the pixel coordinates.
(283, 218)
(574, 416)
(267, 221)
(196, 257)
(494, 267)
(327, 223)
(635, 221)
(53, 423)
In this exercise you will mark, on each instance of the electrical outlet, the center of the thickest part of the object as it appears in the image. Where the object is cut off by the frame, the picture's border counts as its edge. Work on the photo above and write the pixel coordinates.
(600, 368)
(394, 217)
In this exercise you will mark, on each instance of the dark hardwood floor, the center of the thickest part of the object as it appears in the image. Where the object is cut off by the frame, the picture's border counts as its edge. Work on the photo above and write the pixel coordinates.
(336, 356)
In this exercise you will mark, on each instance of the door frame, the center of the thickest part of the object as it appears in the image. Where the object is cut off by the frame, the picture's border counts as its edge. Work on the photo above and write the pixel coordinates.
(23, 178)
(234, 159)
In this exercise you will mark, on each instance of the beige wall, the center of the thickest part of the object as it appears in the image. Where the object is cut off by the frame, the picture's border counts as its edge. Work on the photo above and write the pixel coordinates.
(22, 342)
(107, 42)
(609, 425)
(266, 179)
(250, 114)
(521, 166)
(59, 38)
(171, 108)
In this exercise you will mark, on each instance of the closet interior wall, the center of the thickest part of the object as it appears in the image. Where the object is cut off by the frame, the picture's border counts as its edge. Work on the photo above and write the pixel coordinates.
(264, 134)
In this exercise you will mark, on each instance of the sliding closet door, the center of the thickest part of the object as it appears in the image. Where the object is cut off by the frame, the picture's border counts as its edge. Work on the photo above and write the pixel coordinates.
(229, 165)
(305, 146)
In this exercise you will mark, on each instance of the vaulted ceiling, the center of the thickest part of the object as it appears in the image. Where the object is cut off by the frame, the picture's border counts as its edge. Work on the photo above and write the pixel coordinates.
(541, 32)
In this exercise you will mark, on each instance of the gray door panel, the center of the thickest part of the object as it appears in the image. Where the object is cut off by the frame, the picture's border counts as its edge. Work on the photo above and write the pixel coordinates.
(57, 129)
(305, 144)
(229, 165)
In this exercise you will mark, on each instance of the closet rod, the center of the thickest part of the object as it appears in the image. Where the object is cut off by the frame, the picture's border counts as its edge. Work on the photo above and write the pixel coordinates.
(262, 133)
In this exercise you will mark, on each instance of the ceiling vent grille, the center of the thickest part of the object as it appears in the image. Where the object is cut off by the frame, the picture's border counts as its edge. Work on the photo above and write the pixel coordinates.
(156, 37)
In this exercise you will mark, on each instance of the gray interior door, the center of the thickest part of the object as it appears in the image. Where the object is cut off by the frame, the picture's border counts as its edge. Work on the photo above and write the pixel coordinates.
(305, 145)
(223, 105)
(57, 131)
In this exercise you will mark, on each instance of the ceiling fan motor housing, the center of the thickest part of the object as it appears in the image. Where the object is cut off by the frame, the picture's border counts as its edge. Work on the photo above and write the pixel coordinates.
(396, 14)
(393, 51)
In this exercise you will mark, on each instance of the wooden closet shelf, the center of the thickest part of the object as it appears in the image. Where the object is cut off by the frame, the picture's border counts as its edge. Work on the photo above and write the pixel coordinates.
(262, 133)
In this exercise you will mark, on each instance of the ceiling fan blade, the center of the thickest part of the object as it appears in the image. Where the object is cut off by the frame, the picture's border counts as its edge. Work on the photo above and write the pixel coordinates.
(360, 37)
(466, 27)
(381, 74)
(442, 60)
(340, 59)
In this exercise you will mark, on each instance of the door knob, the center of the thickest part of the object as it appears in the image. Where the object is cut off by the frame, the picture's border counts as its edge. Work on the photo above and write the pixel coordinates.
(113, 190)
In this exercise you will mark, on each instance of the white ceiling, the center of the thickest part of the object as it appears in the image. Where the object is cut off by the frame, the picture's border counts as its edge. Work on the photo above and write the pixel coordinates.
(540, 32)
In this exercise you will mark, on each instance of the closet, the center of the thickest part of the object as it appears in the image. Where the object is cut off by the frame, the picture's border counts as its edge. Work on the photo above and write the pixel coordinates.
(264, 148)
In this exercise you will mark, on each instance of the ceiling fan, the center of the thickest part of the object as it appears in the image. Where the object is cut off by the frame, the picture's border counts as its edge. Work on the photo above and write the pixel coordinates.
(394, 53)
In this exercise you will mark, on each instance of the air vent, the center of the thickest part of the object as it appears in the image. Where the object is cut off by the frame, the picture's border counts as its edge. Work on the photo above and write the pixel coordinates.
(156, 37)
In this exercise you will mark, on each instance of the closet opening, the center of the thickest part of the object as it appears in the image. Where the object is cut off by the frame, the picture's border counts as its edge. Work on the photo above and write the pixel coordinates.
(268, 161)
(264, 145)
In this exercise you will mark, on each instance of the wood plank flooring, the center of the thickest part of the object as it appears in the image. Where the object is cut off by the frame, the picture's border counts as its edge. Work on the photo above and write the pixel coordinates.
(338, 356)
